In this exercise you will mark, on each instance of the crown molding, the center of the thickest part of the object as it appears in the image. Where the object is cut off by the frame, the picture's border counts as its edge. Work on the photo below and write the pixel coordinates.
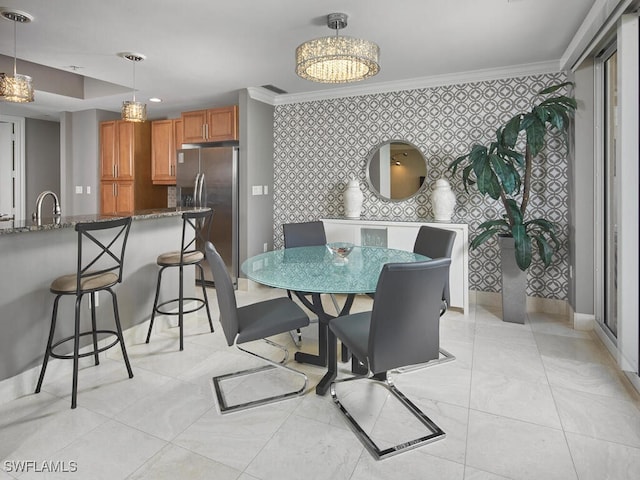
(262, 95)
(422, 82)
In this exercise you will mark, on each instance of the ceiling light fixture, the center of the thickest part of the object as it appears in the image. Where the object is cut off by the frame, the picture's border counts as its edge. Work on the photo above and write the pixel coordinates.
(133, 111)
(16, 88)
(337, 59)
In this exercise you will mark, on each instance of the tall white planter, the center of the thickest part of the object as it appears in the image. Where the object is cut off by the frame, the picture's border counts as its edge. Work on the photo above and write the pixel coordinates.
(443, 201)
(353, 198)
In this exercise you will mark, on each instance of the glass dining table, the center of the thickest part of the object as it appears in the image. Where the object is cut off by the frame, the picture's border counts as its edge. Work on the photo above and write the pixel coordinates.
(312, 271)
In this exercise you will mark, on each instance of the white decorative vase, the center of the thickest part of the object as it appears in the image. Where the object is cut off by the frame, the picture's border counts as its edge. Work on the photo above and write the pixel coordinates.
(443, 200)
(353, 199)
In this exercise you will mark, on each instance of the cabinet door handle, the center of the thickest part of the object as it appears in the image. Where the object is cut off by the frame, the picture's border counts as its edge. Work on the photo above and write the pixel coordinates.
(114, 170)
(204, 130)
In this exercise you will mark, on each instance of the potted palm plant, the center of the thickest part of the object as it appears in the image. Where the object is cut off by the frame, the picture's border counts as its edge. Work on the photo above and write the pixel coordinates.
(503, 170)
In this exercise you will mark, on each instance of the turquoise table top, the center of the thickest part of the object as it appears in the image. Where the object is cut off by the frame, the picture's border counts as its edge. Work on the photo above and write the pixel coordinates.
(317, 270)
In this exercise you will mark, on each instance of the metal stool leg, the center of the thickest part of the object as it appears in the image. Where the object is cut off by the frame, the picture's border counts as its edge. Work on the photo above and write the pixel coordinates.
(116, 316)
(76, 353)
(47, 352)
(93, 325)
(155, 303)
(181, 307)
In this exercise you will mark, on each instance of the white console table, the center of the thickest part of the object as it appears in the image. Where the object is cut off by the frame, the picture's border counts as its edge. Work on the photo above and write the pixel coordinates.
(402, 235)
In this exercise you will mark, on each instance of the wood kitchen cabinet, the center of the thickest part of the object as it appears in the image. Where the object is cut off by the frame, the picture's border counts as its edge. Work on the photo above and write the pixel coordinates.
(212, 125)
(125, 168)
(166, 138)
(116, 197)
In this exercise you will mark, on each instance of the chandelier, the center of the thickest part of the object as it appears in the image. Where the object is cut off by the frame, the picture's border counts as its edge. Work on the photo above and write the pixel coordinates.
(337, 59)
(133, 111)
(16, 88)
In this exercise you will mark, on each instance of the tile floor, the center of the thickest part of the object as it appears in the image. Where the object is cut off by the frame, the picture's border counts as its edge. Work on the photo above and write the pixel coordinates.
(533, 401)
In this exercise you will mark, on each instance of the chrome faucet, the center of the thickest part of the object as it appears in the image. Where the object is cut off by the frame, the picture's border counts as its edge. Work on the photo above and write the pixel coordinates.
(37, 215)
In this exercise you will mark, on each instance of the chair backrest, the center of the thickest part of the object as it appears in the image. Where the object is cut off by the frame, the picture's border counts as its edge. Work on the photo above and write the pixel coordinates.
(405, 320)
(101, 247)
(436, 243)
(304, 234)
(225, 293)
(200, 223)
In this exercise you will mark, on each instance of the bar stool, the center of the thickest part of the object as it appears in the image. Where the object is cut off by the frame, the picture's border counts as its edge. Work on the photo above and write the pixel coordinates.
(100, 262)
(190, 254)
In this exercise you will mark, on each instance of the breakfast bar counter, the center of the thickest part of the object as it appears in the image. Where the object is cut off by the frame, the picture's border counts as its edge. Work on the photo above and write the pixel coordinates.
(33, 254)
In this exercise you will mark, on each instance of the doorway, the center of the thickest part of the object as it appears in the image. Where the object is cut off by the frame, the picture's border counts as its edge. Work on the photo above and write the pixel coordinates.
(12, 167)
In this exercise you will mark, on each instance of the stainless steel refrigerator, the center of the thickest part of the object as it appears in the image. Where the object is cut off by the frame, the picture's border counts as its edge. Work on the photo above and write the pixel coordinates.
(208, 177)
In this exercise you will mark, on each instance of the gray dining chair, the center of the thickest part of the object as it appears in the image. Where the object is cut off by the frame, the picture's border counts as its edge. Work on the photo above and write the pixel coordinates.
(436, 242)
(403, 328)
(252, 322)
(305, 234)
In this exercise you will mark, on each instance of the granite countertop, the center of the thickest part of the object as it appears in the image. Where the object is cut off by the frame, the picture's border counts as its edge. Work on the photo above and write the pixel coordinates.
(48, 223)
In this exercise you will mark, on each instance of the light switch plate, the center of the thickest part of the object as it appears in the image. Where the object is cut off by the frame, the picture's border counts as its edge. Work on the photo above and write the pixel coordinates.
(78, 188)
(256, 190)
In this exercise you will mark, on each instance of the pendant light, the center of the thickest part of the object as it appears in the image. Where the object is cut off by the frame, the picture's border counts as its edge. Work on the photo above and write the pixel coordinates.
(16, 88)
(133, 111)
(337, 59)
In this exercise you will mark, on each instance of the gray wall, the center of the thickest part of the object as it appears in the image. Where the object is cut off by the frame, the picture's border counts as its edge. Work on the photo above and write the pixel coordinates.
(256, 168)
(42, 162)
(80, 160)
(581, 195)
(318, 145)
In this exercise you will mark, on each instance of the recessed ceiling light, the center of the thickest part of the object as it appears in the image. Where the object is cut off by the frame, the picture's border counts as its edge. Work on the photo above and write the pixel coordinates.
(155, 99)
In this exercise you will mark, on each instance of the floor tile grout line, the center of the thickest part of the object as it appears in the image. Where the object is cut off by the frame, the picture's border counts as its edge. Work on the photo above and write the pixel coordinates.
(555, 404)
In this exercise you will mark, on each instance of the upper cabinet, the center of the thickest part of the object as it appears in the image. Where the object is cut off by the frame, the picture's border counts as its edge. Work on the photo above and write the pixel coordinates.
(121, 143)
(166, 138)
(213, 125)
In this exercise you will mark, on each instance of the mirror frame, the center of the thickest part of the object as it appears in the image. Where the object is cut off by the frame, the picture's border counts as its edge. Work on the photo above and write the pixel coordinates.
(370, 157)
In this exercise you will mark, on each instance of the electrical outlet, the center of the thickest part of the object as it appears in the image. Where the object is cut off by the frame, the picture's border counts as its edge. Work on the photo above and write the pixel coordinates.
(265, 247)
(265, 189)
(88, 189)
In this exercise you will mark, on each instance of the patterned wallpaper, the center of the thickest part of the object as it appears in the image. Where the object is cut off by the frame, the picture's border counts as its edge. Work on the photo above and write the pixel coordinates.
(318, 145)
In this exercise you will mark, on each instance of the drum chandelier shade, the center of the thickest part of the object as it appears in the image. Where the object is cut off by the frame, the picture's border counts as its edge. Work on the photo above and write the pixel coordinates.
(133, 111)
(337, 59)
(16, 88)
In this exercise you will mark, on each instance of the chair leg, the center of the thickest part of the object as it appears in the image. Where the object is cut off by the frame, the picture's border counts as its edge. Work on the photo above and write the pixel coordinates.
(47, 352)
(155, 304)
(116, 316)
(204, 296)
(181, 307)
(76, 353)
(94, 329)
(435, 432)
(225, 408)
(444, 358)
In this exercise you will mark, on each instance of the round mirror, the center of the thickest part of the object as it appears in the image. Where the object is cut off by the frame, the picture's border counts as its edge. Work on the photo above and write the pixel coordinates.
(396, 170)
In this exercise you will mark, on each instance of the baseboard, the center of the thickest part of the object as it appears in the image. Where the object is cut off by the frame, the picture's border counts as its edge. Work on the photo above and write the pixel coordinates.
(25, 383)
(534, 304)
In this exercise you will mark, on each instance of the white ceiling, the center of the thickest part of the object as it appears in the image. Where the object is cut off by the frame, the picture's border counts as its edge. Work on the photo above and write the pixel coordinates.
(201, 52)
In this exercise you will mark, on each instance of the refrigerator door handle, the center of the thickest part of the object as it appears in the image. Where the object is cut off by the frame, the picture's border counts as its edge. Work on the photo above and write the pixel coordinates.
(196, 186)
(201, 202)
